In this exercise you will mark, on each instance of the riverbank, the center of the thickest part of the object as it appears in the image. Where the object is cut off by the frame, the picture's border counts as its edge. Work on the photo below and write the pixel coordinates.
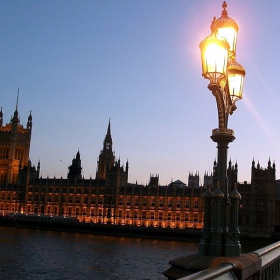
(191, 235)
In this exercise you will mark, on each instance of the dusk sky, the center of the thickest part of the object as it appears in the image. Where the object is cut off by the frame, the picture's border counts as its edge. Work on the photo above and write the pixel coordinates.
(80, 63)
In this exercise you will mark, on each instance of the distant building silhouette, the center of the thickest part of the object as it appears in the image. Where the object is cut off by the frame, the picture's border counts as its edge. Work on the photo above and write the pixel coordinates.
(110, 199)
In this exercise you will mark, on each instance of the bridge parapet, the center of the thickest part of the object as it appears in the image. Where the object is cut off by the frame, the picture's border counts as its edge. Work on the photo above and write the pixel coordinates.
(262, 264)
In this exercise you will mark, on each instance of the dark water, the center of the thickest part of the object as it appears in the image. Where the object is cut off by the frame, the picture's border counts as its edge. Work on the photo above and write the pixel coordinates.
(36, 254)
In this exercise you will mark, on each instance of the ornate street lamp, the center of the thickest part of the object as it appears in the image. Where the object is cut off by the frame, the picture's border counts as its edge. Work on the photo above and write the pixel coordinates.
(226, 76)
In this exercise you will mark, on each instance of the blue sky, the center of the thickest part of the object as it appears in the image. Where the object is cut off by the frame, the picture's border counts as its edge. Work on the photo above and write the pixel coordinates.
(79, 63)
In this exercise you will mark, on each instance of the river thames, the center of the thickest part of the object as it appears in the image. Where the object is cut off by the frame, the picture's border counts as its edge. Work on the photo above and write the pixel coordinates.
(39, 254)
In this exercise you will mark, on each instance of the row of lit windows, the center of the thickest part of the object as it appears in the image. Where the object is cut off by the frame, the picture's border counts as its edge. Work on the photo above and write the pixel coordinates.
(65, 198)
(161, 203)
(98, 200)
(59, 190)
(121, 214)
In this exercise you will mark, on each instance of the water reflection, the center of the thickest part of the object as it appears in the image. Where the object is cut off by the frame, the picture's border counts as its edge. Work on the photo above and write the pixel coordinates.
(35, 254)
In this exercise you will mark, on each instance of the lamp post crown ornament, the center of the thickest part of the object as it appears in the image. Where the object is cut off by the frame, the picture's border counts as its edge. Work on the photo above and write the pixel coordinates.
(218, 192)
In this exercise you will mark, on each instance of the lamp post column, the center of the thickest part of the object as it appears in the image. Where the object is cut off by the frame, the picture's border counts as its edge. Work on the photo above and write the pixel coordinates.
(216, 245)
(234, 247)
(206, 232)
(222, 138)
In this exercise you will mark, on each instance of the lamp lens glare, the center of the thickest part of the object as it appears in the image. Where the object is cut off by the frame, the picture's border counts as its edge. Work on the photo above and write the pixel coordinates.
(235, 83)
(230, 35)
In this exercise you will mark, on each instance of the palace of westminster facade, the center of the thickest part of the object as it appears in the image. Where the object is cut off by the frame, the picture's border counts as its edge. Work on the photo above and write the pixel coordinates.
(110, 199)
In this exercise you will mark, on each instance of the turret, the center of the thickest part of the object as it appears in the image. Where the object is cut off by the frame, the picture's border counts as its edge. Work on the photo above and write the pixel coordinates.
(29, 122)
(75, 169)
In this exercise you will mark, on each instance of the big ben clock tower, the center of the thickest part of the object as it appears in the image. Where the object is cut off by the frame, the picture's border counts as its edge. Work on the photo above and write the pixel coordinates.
(106, 158)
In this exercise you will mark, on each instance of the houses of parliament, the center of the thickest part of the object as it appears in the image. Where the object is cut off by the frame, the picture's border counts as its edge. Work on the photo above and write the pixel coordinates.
(111, 199)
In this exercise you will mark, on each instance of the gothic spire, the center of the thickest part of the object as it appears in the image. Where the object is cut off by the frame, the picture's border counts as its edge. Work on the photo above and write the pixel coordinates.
(108, 143)
(15, 118)
(1, 117)
(109, 128)
(29, 121)
(17, 99)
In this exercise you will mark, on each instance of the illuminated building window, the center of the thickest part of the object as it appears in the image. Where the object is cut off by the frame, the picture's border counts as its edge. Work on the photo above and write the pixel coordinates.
(120, 213)
(135, 214)
(144, 214)
(169, 216)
